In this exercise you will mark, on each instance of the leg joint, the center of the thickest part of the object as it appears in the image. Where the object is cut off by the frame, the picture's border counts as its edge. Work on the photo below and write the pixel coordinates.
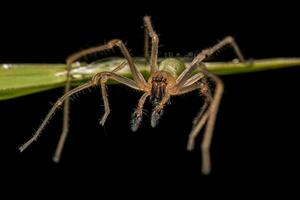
(155, 38)
(103, 76)
(114, 42)
(229, 39)
(207, 52)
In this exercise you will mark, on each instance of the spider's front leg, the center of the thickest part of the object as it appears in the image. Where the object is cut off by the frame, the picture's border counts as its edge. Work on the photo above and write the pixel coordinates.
(137, 77)
(103, 78)
(66, 109)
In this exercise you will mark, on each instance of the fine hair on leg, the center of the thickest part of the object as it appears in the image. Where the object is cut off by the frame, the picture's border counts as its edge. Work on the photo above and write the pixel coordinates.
(76, 56)
(149, 31)
(213, 110)
(57, 104)
(207, 114)
(66, 116)
(66, 110)
(204, 54)
(102, 77)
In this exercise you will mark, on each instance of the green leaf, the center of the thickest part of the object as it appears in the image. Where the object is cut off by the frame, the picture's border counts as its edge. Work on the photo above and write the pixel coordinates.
(22, 79)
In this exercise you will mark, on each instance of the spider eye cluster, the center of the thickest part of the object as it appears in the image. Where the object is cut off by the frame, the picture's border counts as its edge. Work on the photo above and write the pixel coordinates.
(160, 78)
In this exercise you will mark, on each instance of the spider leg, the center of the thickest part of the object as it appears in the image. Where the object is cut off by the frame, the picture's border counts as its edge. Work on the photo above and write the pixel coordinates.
(149, 32)
(103, 78)
(194, 79)
(66, 114)
(205, 91)
(187, 73)
(146, 43)
(158, 110)
(137, 76)
(138, 113)
(57, 104)
(207, 115)
(203, 114)
(66, 111)
(213, 110)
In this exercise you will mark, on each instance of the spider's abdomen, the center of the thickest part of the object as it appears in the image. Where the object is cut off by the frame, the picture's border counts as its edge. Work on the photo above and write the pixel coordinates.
(173, 66)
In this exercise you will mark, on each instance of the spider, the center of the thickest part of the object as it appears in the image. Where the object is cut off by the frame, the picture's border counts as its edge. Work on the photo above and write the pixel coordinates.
(168, 78)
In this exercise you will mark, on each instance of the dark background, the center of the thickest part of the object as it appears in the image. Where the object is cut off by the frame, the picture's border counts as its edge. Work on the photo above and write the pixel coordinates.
(256, 134)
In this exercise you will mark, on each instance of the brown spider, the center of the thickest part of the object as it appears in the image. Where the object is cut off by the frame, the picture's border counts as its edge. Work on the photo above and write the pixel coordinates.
(171, 77)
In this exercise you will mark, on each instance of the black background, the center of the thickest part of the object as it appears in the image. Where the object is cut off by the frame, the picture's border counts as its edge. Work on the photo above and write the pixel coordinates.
(256, 135)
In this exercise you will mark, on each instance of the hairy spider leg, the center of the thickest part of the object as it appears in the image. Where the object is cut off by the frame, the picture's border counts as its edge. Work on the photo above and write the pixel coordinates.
(149, 32)
(71, 59)
(66, 114)
(57, 104)
(208, 116)
(100, 77)
(138, 82)
(213, 110)
(187, 73)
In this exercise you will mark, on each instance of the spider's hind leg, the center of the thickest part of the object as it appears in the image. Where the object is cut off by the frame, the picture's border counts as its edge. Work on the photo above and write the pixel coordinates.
(213, 110)
(207, 118)
(207, 114)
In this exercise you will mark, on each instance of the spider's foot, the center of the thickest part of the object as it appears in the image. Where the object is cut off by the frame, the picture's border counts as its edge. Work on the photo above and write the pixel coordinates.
(155, 117)
(206, 166)
(191, 144)
(103, 119)
(136, 120)
(102, 122)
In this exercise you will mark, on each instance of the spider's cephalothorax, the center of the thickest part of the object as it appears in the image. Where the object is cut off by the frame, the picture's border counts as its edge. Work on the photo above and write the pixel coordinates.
(160, 81)
(172, 77)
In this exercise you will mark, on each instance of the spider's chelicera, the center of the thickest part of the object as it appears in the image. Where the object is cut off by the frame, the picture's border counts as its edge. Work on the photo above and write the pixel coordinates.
(170, 77)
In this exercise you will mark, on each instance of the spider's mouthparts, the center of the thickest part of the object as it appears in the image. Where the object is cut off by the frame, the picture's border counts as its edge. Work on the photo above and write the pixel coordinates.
(158, 91)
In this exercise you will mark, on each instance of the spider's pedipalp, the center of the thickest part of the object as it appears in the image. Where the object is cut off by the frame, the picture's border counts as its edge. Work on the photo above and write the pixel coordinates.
(155, 116)
(158, 110)
(136, 121)
(138, 113)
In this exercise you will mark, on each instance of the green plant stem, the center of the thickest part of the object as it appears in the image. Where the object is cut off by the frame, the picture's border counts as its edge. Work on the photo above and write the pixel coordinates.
(22, 79)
